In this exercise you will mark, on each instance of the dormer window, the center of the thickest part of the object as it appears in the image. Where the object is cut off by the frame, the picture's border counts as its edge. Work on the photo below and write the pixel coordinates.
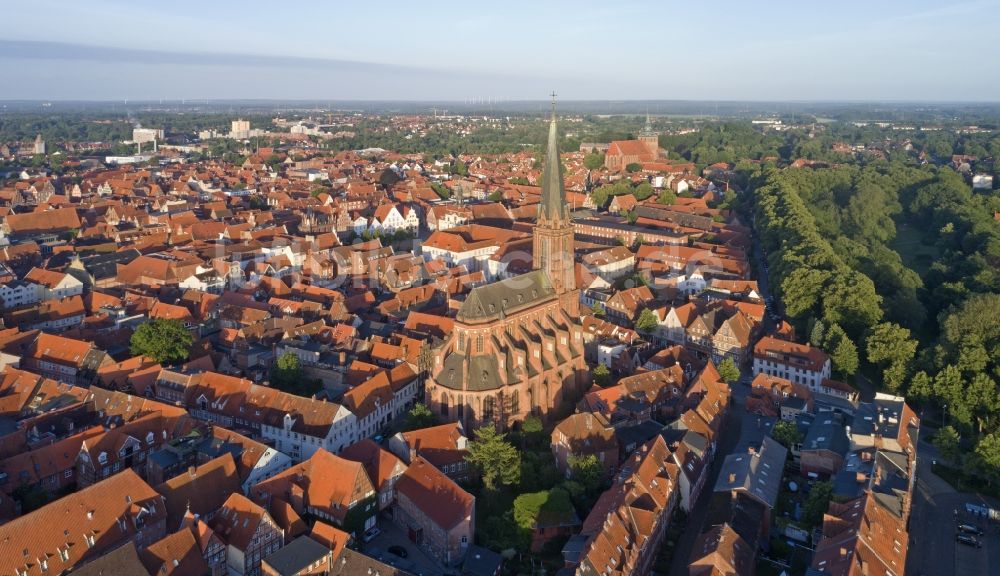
(102, 458)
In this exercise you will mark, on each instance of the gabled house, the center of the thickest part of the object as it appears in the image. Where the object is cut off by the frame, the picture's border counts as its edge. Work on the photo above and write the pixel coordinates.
(324, 486)
(249, 533)
(437, 513)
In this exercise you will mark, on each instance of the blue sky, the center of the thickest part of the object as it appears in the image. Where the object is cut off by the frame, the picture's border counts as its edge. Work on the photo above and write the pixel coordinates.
(615, 49)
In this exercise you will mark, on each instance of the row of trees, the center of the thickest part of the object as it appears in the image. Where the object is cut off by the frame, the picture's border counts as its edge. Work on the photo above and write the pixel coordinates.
(895, 267)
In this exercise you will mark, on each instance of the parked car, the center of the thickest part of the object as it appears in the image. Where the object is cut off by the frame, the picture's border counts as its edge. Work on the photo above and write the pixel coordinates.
(398, 551)
(968, 540)
(371, 534)
(970, 529)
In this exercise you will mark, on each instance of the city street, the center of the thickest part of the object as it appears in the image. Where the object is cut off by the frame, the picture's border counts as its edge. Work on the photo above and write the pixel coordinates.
(740, 430)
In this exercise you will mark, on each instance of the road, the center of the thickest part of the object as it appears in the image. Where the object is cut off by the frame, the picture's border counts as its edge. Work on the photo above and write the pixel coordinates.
(932, 548)
(738, 432)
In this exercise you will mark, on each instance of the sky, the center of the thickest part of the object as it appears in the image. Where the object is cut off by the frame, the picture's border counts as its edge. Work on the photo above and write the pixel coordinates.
(769, 50)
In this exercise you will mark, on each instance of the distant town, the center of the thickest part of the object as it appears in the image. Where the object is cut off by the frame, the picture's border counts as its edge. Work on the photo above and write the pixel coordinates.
(448, 342)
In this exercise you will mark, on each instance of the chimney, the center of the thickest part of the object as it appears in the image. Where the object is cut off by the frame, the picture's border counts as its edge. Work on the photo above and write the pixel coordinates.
(192, 472)
(732, 478)
(843, 552)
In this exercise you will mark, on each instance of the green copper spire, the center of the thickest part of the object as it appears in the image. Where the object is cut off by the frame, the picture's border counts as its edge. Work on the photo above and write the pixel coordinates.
(553, 206)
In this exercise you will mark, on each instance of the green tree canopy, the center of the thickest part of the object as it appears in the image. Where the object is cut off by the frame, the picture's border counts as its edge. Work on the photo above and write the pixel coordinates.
(647, 321)
(643, 190)
(987, 455)
(947, 443)
(633, 167)
(598, 310)
(667, 197)
(495, 458)
(545, 508)
(588, 471)
(420, 416)
(601, 375)
(593, 161)
(729, 371)
(165, 340)
(891, 348)
(817, 503)
(786, 433)
(843, 352)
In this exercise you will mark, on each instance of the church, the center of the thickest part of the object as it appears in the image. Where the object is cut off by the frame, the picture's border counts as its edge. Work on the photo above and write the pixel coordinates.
(621, 153)
(517, 345)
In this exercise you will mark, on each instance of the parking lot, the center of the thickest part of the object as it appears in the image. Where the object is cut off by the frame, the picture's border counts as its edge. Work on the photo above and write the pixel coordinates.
(937, 510)
(971, 560)
(417, 562)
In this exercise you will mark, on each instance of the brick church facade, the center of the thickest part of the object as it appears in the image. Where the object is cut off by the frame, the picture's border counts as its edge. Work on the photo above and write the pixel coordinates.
(517, 345)
(621, 153)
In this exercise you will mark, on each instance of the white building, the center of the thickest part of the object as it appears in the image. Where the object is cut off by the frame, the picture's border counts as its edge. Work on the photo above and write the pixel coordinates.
(20, 293)
(797, 363)
(609, 351)
(54, 285)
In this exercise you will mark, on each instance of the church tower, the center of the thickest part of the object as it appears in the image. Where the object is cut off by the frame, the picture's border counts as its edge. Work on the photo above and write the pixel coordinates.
(650, 138)
(553, 235)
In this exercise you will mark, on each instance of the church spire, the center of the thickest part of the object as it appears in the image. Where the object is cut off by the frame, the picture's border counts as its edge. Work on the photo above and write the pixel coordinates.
(553, 205)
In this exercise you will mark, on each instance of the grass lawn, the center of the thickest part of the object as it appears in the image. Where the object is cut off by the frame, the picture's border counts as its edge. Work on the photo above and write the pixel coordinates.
(915, 254)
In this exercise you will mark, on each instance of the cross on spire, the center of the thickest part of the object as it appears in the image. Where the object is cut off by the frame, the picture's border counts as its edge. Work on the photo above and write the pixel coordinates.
(553, 103)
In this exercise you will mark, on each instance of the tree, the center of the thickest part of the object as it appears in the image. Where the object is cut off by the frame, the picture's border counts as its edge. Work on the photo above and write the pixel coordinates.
(588, 471)
(548, 507)
(667, 197)
(441, 190)
(946, 441)
(843, 352)
(531, 432)
(633, 167)
(987, 455)
(601, 374)
(599, 196)
(891, 348)
(921, 386)
(949, 390)
(786, 433)
(165, 340)
(632, 216)
(643, 190)
(495, 458)
(593, 161)
(496, 196)
(286, 375)
(388, 178)
(420, 416)
(647, 321)
(729, 371)
(598, 310)
(286, 371)
(817, 503)
(801, 290)
(817, 333)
